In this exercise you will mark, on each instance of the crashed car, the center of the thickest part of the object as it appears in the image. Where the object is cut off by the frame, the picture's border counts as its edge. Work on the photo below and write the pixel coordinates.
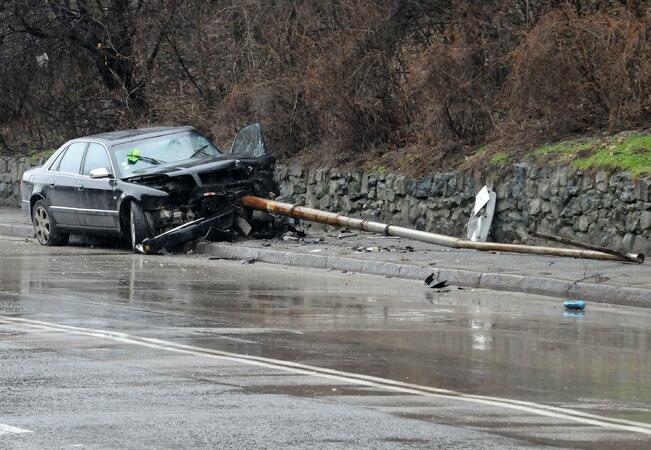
(158, 188)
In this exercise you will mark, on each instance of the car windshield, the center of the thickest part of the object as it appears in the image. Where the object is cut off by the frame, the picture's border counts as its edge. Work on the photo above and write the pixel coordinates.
(135, 156)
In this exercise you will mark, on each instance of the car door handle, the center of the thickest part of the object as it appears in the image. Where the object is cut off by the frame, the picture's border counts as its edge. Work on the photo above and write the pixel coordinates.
(80, 187)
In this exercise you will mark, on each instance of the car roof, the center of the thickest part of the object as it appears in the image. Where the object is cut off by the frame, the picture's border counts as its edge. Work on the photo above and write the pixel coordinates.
(118, 137)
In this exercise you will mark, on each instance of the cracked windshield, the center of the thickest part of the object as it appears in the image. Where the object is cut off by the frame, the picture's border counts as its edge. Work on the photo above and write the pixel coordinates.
(135, 156)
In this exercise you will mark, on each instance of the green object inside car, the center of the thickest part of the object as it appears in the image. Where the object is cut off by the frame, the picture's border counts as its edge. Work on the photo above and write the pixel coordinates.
(133, 156)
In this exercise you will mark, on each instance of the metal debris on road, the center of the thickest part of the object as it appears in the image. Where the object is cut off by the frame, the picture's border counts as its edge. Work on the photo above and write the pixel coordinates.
(482, 215)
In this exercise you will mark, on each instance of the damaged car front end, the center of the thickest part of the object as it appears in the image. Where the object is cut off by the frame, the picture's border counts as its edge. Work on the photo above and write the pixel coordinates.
(158, 188)
(202, 200)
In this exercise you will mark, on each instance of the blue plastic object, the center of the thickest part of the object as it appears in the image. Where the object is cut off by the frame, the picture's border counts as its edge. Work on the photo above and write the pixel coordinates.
(576, 305)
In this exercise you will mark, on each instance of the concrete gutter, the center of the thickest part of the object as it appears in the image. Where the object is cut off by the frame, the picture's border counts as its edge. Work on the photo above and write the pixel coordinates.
(23, 231)
(553, 287)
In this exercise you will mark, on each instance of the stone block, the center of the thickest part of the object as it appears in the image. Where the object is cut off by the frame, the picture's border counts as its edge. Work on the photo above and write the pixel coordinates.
(632, 221)
(601, 181)
(364, 187)
(645, 220)
(534, 207)
(400, 185)
(325, 202)
(422, 188)
(628, 195)
(439, 186)
(643, 190)
(354, 190)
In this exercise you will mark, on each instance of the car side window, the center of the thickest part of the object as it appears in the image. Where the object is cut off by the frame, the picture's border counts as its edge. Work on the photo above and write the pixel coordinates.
(71, 161)
(96, 158)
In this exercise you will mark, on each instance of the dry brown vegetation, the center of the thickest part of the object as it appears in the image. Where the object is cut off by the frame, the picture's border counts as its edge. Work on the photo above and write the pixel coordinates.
(410, 84)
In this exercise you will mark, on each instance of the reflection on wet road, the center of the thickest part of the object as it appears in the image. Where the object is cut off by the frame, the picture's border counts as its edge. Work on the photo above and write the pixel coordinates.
(505, 345)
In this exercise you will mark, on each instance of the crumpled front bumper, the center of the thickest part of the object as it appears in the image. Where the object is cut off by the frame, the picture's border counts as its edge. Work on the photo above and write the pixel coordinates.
(176, 237)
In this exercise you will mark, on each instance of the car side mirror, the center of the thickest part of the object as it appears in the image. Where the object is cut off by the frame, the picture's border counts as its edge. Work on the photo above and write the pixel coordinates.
(101, 172)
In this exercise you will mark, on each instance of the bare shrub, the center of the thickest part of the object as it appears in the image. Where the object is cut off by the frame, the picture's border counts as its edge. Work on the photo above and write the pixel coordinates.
(576, 73)
(397, 80)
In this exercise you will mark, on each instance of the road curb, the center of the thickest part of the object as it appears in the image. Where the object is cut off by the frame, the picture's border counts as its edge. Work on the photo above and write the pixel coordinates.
(553, 287)
(24, 231)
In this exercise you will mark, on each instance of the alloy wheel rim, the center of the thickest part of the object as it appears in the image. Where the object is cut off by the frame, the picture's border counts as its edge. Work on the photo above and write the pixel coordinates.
(42, 225)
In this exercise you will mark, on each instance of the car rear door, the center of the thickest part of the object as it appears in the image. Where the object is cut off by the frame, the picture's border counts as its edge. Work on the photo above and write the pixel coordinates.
(62, 195)
(97, 199)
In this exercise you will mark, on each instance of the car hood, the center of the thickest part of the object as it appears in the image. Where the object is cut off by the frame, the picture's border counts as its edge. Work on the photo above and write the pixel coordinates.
(191, 167)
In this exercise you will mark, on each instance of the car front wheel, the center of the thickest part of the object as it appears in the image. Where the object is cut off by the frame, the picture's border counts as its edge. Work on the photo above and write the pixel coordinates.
(138, 226)
(46, 231)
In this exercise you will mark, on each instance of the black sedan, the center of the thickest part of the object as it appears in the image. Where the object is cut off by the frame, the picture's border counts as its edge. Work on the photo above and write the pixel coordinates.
(160, 186)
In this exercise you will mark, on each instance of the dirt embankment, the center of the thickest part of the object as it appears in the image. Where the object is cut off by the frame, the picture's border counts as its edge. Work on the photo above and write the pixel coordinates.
(408, 86)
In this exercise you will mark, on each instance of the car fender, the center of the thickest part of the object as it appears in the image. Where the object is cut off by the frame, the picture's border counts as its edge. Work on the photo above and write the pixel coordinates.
(145, 195)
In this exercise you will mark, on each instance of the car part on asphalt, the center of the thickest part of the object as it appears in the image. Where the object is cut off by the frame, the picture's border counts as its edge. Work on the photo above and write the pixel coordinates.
(175, 238)
(432, 282)
(328, 218)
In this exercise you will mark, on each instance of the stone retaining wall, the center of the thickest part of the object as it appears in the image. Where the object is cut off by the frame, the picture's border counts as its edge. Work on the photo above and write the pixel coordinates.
(11, 171)
(601, 208)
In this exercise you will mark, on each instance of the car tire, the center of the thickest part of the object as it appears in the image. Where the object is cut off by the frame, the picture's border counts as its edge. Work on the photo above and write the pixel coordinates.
(138, 226)
(45, 230)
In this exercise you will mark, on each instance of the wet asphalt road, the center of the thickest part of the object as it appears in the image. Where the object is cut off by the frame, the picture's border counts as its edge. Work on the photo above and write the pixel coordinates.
(103, 349)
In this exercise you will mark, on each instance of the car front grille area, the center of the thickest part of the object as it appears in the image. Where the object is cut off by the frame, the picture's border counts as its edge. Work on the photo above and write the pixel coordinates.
(226, 176)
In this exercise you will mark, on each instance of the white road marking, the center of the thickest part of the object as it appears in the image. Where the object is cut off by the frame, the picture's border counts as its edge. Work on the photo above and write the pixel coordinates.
(346, 377)
(8, 429)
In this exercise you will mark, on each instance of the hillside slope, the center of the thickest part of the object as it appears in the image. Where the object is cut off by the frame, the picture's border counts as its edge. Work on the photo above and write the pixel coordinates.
(410, 85)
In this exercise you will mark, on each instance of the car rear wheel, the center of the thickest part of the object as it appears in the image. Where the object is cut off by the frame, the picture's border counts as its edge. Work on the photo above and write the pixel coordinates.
(138, 226)
(46, 231)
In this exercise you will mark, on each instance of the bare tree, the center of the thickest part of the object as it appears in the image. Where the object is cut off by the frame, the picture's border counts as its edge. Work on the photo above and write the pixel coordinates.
(105, 30)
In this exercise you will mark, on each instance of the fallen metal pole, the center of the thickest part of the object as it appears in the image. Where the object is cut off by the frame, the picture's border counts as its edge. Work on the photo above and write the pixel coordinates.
(328, 218)
(563, 240)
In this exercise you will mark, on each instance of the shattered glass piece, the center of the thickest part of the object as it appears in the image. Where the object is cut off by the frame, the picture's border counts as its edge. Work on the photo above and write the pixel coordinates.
(249, 142)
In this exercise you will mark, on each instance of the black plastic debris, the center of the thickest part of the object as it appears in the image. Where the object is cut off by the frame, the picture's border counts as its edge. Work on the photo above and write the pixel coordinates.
(435, 283)
(249, 261)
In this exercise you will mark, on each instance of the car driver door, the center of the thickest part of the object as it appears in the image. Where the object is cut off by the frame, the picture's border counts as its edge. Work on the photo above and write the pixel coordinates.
(96, 190)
